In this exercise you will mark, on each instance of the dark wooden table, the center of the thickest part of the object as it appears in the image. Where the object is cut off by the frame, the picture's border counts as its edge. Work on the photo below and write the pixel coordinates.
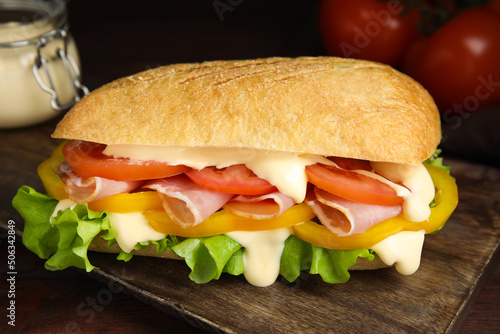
(117, 38)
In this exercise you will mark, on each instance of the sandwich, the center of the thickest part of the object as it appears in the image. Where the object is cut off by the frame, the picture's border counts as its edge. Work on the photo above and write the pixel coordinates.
(263, 168)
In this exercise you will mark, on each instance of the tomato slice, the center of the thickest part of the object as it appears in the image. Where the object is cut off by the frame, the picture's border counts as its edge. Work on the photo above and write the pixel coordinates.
(352, 186)
(86, 159)
(235, 179)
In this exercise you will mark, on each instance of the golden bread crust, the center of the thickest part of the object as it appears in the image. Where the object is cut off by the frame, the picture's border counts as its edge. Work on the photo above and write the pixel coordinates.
(321, 105)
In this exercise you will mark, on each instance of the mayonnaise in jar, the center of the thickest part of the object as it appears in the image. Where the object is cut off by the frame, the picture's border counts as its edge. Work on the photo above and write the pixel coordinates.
(39, 62)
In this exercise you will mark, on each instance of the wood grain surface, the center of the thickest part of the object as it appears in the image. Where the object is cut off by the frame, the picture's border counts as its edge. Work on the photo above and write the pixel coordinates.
(121, 37)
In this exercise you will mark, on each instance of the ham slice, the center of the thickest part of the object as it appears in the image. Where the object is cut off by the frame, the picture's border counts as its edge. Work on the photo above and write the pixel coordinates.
(344, 217)
(260, 206)
(85, 190)
(187, 203)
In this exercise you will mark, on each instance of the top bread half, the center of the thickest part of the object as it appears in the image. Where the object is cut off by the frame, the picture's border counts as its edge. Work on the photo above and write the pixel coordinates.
(320, 105)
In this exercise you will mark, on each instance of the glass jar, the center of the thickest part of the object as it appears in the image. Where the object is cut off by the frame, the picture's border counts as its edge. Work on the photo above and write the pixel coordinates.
(39, 62)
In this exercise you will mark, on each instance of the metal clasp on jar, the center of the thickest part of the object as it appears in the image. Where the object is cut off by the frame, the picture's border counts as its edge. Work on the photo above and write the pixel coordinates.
(70, 66)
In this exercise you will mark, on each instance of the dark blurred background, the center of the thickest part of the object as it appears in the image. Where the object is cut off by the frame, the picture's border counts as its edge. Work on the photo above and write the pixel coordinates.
(150, 33)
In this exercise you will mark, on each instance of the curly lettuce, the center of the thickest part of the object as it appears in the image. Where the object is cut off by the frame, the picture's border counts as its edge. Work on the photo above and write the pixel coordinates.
(437, 161)
(63, 239)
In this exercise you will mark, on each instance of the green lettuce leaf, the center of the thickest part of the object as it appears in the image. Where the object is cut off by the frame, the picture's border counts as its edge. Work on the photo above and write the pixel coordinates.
(64, 239)
(332, 265)
(36, 209)
(161, 246)
(208, 257)
(437, 161)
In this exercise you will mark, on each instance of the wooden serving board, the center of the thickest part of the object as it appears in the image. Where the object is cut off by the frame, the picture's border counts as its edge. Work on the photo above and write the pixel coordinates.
(433, 300)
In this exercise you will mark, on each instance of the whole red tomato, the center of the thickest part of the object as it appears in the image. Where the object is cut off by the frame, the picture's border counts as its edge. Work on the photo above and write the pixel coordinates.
(460, 63)
(367, 29)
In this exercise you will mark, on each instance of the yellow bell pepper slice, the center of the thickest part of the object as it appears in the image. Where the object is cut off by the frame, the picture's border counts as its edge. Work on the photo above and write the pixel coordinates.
(446, 200)
(126, 203)
(223, 222)
(48, 173)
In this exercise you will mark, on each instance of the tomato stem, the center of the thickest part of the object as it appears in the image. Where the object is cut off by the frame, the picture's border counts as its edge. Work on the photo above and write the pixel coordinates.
(435, 13)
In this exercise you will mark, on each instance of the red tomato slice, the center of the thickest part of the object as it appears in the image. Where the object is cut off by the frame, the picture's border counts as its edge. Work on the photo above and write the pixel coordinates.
(87, 160)
(352, 186)
(235, 179)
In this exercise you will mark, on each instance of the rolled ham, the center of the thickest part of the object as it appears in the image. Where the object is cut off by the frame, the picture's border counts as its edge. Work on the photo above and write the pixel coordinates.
(187, 203)
(260, 206)
(344, 217)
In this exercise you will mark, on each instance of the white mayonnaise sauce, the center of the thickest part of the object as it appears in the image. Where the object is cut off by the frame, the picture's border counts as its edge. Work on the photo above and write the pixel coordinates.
(262, 254)
(417, 179)
(403, 250)
(132, 228)
(62, 206)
